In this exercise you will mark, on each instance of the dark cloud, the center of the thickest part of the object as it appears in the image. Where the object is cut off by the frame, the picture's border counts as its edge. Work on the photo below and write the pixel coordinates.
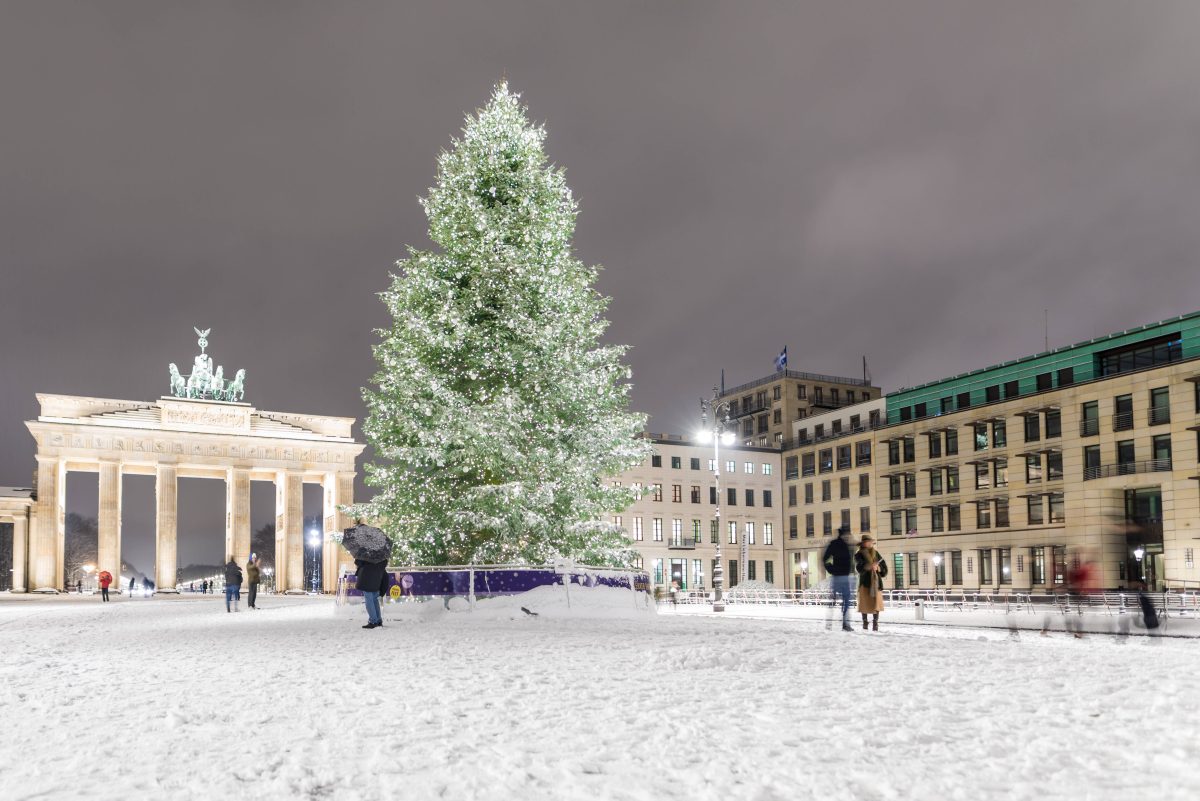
(911, 181)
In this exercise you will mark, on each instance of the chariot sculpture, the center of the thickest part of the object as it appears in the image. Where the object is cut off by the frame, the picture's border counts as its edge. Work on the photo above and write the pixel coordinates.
(205, 382)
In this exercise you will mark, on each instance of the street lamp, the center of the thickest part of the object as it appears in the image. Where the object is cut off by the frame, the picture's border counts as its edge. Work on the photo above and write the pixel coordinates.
(1138, 553)
(804, 574)
(314, 540)
(718, 434)
(937, 573)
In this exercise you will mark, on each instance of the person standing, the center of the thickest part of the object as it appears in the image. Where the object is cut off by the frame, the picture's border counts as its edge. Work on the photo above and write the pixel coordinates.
(131, 585)
(252, 577)
(838, 564)
(233, 585)
(105, 581)
(871, 569)
(371, 579)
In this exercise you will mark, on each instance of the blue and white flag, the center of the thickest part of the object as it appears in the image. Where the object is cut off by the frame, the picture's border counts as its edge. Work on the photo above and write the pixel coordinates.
(781, 359)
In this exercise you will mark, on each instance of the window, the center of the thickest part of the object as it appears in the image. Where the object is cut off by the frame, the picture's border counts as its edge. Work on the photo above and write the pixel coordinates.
(656, 492)
(1053, 423)
(1140, 355)
(793, 528)
(894, 452)
(769, 571)
(843, 457)
(750, 533)
(1045, 381)
(791, 495)
(1033, 427)
(935, 445)
(894, 485)
(1001, 512)
(1035, 510)
(677, 493)
(676, 462)
(855, 422)
(712, 495)
(844, 488)
(766, 468)
(921, 410)
(953, 517)
(657, 529)
(1066, 376)
(951, 442)
(951, 479)
(956, 567)
(1056, 508)
(750, 572)
(939, 570)
(1161, 449)
(658, 571)
(910, 521)
(862, 452)
(898, 571)
(768, 534)
(913, 578)
(1012, 389)
(937, 519)
(697, 572)
(983, 476)
(947, 405)
(981, 436)
(676, 531)
(1005, 557)
(1033, 467)
(1037, 564)
(730, 468)
(1122, 413)
(897, 522)
(791, 468)
(749, 497)
(1000, 470)
(695, 463)
(1125, 457)
(656, 460)
(1091, 462)
(836, 427)
(800, 392)
(910, 485)
(1160, 406)
(1054, 468)
(845, 515)
(864, 519)
(825, 460)
(733, 574)
(712, 465)
(695, 493)
(696, 530)
(819, 431)
(864, 485)
(985, 566)
(712, 531)
(935, 482)
(910, 449)
(732, 533)
(827, 523)
(1089, 418)
(808, 462)
(964, 400)
(992, 393)
(637, 528)
(808, 525)
(826, 490)
(983, 514)
(999, 434)
(808, 493)
(748, 467)
(731, 496)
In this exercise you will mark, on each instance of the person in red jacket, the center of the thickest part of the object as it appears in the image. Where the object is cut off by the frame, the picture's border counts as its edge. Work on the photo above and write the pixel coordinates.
(105, 580)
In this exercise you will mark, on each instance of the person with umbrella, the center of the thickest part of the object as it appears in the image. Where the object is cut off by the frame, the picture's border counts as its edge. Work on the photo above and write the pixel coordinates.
(370, 548)
(105, 579)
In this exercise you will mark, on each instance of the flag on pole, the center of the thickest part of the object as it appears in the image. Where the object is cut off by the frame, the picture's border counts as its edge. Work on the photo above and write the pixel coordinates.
(781, 359)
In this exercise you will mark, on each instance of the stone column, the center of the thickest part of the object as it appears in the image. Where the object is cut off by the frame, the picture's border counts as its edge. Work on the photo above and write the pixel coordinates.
(46, 544)
(20, 580)
(289, 532)
(166, 493)
(108, 551)
(338, 490)
(237, 515)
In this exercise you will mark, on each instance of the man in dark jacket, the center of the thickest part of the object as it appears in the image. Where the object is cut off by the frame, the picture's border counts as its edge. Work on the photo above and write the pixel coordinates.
(371, 579)
(252, 576)
(839, 565)
(233, 585)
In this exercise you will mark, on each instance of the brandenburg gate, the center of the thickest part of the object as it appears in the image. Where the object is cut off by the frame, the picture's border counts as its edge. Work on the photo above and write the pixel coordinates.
(202, 430)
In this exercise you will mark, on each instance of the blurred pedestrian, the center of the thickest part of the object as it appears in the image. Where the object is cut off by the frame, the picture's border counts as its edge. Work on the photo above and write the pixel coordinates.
(105, 579)
(372, 579)
(871, 569)
(131, 585)
(233, 585)
(252, 577)
(839, 564)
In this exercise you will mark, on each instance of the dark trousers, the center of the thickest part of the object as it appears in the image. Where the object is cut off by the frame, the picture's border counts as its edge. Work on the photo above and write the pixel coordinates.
(104, 593)
(253, 594)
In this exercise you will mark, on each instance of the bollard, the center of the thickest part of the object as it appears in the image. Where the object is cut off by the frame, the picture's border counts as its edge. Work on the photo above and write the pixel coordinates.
(919, 608)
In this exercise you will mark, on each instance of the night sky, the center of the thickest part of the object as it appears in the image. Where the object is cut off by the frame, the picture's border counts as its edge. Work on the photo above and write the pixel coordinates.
(914, 182)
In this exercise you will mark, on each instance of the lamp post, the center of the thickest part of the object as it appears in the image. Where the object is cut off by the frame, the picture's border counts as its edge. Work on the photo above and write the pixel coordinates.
(803, 575)
(1138, 553)
(717, 433)
(314, 541)
(937, 572)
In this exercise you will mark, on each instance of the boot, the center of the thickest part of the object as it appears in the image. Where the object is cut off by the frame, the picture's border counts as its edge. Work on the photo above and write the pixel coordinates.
(875, 622)
(864, 622)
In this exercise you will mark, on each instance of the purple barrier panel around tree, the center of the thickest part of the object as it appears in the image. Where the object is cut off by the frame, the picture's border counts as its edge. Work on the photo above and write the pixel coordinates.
(502, 581)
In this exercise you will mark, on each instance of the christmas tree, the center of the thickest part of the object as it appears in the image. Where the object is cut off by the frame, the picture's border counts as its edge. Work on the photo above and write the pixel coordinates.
(499, 418)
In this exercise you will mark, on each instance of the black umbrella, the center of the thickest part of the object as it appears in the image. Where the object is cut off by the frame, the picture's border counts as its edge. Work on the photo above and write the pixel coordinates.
(367, 543)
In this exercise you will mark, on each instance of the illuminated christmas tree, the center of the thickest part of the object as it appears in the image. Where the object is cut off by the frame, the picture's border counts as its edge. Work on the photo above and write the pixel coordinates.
(499, 418)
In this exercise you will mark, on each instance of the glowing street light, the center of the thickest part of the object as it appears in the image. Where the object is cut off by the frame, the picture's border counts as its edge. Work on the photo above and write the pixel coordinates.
(717, 433)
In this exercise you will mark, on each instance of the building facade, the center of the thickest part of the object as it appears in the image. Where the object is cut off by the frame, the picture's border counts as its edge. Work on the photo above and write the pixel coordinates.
(763, 411)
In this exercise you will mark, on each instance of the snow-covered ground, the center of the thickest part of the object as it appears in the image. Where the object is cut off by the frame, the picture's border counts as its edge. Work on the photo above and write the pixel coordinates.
(174, 698)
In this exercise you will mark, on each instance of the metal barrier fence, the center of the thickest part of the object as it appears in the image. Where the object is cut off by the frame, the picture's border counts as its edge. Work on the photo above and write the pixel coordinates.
(1185, 603)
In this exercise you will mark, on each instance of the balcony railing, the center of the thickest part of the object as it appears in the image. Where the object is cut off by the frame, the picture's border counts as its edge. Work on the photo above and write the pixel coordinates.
(1159, 415)
(1125, 468)
(1089, 428)
(683, 544)
(1122, 421)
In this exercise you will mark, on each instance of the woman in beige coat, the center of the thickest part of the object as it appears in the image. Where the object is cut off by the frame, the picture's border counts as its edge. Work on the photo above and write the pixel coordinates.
(871, 569)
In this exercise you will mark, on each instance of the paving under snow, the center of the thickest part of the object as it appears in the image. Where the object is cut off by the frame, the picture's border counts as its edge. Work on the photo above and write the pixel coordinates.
(177, 699)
